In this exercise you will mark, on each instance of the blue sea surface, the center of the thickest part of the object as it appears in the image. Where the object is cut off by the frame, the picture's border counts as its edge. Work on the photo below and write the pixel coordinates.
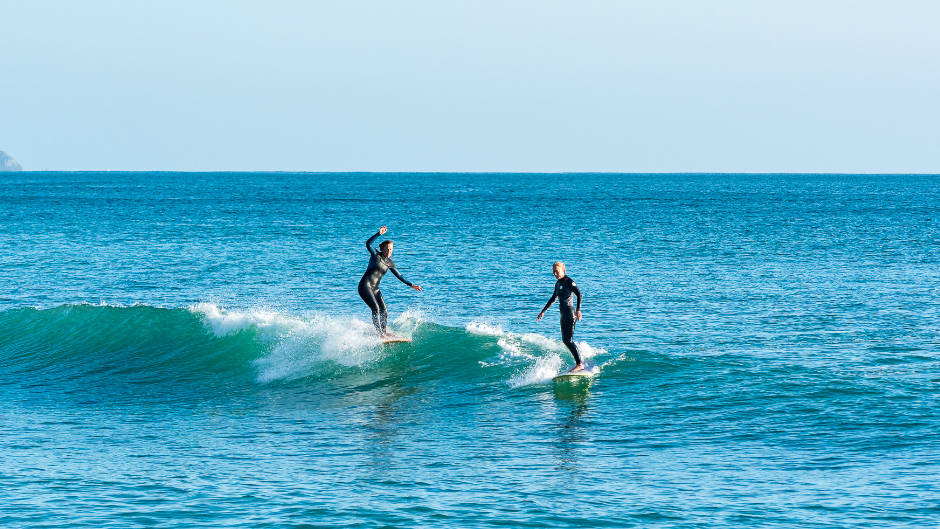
(189, 350)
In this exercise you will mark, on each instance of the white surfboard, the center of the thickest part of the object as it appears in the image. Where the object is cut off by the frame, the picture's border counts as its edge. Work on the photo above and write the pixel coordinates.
(572, 376)
(395, 339)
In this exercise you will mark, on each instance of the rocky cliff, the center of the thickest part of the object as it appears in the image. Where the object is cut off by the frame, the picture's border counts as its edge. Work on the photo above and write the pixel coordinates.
(7, 163)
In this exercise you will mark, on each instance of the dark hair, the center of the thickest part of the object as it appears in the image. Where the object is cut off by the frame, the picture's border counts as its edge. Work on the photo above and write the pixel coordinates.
(384, 245)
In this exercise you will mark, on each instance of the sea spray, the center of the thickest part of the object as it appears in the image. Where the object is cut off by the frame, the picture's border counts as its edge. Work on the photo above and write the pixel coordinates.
(536, 359)
(297, 345)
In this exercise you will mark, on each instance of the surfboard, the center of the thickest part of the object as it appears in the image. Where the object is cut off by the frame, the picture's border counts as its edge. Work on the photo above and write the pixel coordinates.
(573, 376)
(395, 339)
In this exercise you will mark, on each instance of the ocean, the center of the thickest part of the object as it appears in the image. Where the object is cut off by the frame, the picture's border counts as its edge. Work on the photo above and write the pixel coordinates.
(189, 350)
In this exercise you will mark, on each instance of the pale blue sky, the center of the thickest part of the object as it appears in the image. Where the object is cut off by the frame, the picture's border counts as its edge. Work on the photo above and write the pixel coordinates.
(829, 86)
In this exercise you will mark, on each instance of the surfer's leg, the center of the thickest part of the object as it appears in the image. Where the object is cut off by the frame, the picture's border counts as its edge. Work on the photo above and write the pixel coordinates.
(567, 337)
(383, 312)
(368, 296)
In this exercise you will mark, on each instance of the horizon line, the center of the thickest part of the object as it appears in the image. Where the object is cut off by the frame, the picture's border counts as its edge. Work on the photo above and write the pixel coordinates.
(364, 172)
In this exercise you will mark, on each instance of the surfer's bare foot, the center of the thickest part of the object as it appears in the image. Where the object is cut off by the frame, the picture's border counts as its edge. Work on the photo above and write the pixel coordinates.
(579, 367)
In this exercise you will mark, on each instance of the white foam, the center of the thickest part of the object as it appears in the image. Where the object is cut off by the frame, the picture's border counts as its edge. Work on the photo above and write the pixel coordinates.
(298, 344)
(301, 345)
(226, 322)
(587, 351)
(407, 322)
(412, 316)
(542, 341)
(543, 370)
(508, 347)
(539, 357)
(484, 329)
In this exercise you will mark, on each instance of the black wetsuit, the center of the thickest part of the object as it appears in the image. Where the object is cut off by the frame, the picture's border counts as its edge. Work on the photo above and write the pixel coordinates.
(565, 289)
(369, 285)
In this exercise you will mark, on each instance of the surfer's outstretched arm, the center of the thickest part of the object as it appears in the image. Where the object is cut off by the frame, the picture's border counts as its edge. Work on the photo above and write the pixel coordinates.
(395, 271)
(550, 301)
(381, 231)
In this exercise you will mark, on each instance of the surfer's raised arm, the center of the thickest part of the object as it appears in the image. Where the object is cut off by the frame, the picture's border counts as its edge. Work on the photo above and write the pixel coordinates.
(381, 231)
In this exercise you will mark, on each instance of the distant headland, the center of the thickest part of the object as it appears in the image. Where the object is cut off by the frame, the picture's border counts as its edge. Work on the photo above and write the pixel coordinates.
(7, 163)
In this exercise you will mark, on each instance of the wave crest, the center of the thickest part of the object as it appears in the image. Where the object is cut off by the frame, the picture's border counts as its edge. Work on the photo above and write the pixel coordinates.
(208, 346)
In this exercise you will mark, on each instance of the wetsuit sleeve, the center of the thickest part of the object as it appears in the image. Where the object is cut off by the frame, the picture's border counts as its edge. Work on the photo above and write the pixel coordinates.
(577, 292)
(369, 243)
(400, 278)
(552, 300)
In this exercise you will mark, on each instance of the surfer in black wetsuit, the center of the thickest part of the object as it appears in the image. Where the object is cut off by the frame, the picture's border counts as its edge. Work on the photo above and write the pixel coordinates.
(565, 289)
(379, 263)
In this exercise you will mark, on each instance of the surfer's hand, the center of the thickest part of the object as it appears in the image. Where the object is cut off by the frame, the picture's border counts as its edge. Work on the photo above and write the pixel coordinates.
(416, 287)
(382, 230)
(577, 316)
(540, 316)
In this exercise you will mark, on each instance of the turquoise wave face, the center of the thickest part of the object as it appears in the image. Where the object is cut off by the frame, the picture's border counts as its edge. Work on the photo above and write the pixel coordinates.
(146, 350)
(88, 353)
